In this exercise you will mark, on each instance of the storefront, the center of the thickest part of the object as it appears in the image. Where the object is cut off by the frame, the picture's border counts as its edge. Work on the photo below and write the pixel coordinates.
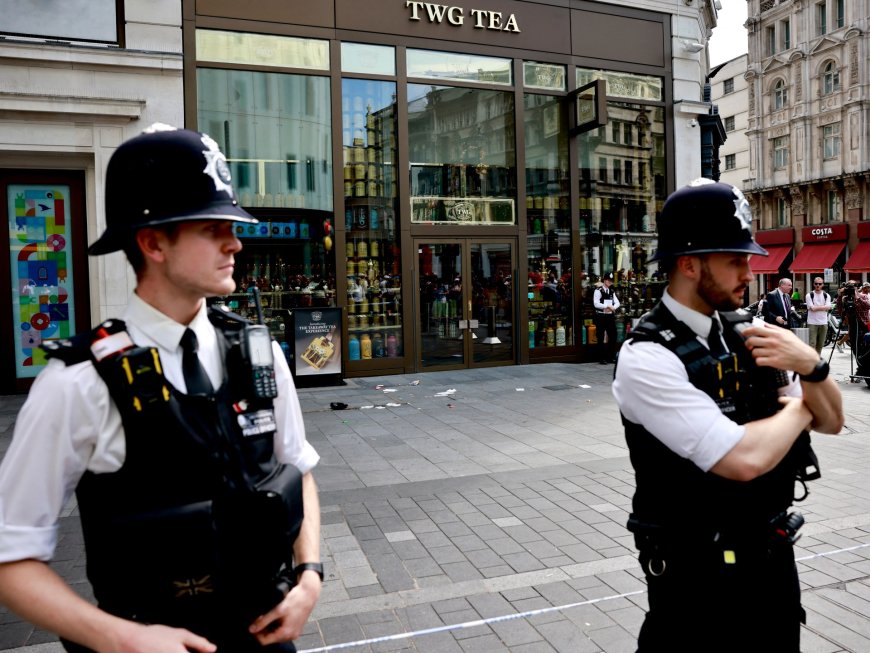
(822, 255)
(769, 269)
(454, 179)
(858, 265)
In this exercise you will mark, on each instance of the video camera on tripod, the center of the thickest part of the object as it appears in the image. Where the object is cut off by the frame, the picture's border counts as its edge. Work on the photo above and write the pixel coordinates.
(857, 330)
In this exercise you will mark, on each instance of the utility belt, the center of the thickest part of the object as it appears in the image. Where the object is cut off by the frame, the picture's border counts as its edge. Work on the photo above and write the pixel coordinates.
(658, 544)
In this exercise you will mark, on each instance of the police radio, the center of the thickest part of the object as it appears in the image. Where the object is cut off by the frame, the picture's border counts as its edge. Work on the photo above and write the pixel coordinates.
(257, 355)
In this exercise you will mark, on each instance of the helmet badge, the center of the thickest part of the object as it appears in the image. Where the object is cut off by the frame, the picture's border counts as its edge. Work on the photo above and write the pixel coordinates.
(741, 210)
(216, 165)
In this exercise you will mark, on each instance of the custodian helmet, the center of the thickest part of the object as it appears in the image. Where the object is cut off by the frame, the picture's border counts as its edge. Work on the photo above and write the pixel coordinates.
(165, 175)
(706, 217)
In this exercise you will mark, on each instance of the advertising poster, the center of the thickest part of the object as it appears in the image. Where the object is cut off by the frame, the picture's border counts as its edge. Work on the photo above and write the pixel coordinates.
(317, 332)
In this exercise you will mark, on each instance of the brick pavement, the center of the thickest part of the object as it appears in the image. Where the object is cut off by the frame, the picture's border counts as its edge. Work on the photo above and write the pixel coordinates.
(509, 495)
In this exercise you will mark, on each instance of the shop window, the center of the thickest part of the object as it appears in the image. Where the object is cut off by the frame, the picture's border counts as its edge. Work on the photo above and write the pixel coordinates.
(372, 235)
(255, 118)
(548, 229)
(545, 76)
(831, 140)
(461, 144)
(446, 66)
(261, 50)
(780, 152)
(730, 161)
(830, 79)
(368, 59)
(71, 20)
(728, 86)
(627, 86)
(617, 228)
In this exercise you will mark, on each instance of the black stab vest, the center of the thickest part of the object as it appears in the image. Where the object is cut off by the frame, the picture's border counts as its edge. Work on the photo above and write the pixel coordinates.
(196, 527)
(674, 494)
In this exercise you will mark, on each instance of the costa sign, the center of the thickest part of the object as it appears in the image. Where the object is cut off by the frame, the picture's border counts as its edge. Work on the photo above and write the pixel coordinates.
(481, 18)
(824, 232)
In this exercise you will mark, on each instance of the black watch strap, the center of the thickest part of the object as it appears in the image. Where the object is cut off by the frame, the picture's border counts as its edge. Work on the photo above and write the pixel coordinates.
(316, 567)
(819, 373)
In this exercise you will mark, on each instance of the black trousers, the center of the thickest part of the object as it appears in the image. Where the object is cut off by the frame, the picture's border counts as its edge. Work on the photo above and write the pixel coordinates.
(699, 603)
(605, 323)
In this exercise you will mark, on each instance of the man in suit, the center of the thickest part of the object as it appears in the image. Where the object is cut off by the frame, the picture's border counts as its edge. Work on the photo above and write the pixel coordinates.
(777, 308)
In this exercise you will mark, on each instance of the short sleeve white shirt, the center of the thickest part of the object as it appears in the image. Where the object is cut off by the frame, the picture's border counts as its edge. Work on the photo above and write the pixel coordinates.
(652, 389)
(70, 425)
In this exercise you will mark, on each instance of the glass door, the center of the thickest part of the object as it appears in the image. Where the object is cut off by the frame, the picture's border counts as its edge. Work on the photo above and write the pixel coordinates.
(466, 302)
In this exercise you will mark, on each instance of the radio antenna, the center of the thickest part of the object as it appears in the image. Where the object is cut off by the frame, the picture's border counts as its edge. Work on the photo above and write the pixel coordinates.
(258, 305)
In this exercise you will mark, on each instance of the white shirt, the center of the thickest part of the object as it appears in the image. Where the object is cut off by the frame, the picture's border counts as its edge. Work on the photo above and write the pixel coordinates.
(652, 389)
(599, 305)
(818, 299)
(70, 425)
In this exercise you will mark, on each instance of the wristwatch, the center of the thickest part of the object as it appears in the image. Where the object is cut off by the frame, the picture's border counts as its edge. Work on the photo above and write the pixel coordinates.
(819, 373)
(316, 567)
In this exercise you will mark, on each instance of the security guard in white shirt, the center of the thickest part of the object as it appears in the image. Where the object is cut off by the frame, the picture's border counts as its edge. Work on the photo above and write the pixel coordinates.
(179, 429)
(717, 435)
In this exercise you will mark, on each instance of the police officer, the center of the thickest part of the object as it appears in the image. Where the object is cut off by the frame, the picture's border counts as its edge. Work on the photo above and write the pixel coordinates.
(717, 436)
(605, 302)
(180, 431)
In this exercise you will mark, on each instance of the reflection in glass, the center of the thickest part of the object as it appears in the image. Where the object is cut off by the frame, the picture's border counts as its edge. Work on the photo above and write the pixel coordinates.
(463, 157)
(492, 301)
(368, 59)
(275, 130)
(622, 189)
(373, 261)
(548, 223)
(623, 85)
(441, 302)
(545, 76)
(262, 49)
(459, 67)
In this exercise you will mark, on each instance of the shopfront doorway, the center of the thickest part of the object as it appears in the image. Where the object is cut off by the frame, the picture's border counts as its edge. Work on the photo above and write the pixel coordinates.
(465, 302)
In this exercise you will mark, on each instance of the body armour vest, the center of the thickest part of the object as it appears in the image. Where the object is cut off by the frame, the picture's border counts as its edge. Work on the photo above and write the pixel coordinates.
(196, 528)
(674, 494)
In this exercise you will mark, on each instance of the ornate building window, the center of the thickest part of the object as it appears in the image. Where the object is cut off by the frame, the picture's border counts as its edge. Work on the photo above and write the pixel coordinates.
(780, 95)
(830, 79)
(780, 152)
(831, 140)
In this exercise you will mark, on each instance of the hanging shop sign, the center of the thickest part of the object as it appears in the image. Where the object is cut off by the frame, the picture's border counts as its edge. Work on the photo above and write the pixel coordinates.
(480, 18)
(824, 232)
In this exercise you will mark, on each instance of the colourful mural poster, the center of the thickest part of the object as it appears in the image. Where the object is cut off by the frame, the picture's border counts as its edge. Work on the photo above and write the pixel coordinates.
(42, 279)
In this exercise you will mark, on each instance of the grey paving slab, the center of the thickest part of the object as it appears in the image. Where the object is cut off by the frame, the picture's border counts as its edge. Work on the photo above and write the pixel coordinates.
(508, 502)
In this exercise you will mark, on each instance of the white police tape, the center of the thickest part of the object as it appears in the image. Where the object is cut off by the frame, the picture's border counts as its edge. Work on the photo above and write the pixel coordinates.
(520, 615)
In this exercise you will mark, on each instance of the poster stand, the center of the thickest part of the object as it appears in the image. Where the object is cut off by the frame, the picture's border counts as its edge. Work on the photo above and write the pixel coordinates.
(315, 355)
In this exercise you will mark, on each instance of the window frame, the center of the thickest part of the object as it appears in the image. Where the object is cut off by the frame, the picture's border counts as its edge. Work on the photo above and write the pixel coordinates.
(831, 141)
(830, 79)
(780, 152)
(729, 123)
(730, 161)
(780, 95)
(728, 86)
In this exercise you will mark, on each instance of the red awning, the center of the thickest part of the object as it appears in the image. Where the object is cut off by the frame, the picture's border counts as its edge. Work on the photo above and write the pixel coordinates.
(815, 257)
(771, 263)
(860, 259)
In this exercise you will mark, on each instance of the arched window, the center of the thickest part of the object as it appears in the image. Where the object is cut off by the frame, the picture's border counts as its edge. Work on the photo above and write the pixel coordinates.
(780, 95)
(830, 79)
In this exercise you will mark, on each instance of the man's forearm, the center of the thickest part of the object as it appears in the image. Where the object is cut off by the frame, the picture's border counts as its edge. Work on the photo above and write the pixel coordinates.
(826, 404)
(32, 590)
(307, 546)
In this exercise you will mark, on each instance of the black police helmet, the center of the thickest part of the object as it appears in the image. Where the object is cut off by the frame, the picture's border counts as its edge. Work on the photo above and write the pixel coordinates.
(165, 175)
(706, 217)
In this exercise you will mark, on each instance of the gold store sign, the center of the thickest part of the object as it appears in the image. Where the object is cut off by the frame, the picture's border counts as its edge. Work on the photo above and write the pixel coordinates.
(482, 18)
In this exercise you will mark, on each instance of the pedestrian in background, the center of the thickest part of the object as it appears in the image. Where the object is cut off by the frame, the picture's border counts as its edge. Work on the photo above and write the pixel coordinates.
(717, 440)
(818, 306)
(605, 301)
(778, 308)
(179, 429)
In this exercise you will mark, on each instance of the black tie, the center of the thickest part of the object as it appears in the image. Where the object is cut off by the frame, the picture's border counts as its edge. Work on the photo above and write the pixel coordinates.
(717, 349)
(786, 302)
(195, 378)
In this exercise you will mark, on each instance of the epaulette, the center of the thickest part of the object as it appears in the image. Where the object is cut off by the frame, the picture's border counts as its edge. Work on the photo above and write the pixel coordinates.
(224, 319)
(77, 349)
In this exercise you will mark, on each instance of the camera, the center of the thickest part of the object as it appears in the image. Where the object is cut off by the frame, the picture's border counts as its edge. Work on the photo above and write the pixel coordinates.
(847, 293)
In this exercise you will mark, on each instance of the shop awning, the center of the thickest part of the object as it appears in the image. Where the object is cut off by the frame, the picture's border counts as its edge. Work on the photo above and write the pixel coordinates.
(860, 259)
(815, 257)
(770, 264)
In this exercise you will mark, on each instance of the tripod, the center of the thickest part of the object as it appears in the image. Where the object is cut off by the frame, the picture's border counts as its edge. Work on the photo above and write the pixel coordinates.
(856, 341)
